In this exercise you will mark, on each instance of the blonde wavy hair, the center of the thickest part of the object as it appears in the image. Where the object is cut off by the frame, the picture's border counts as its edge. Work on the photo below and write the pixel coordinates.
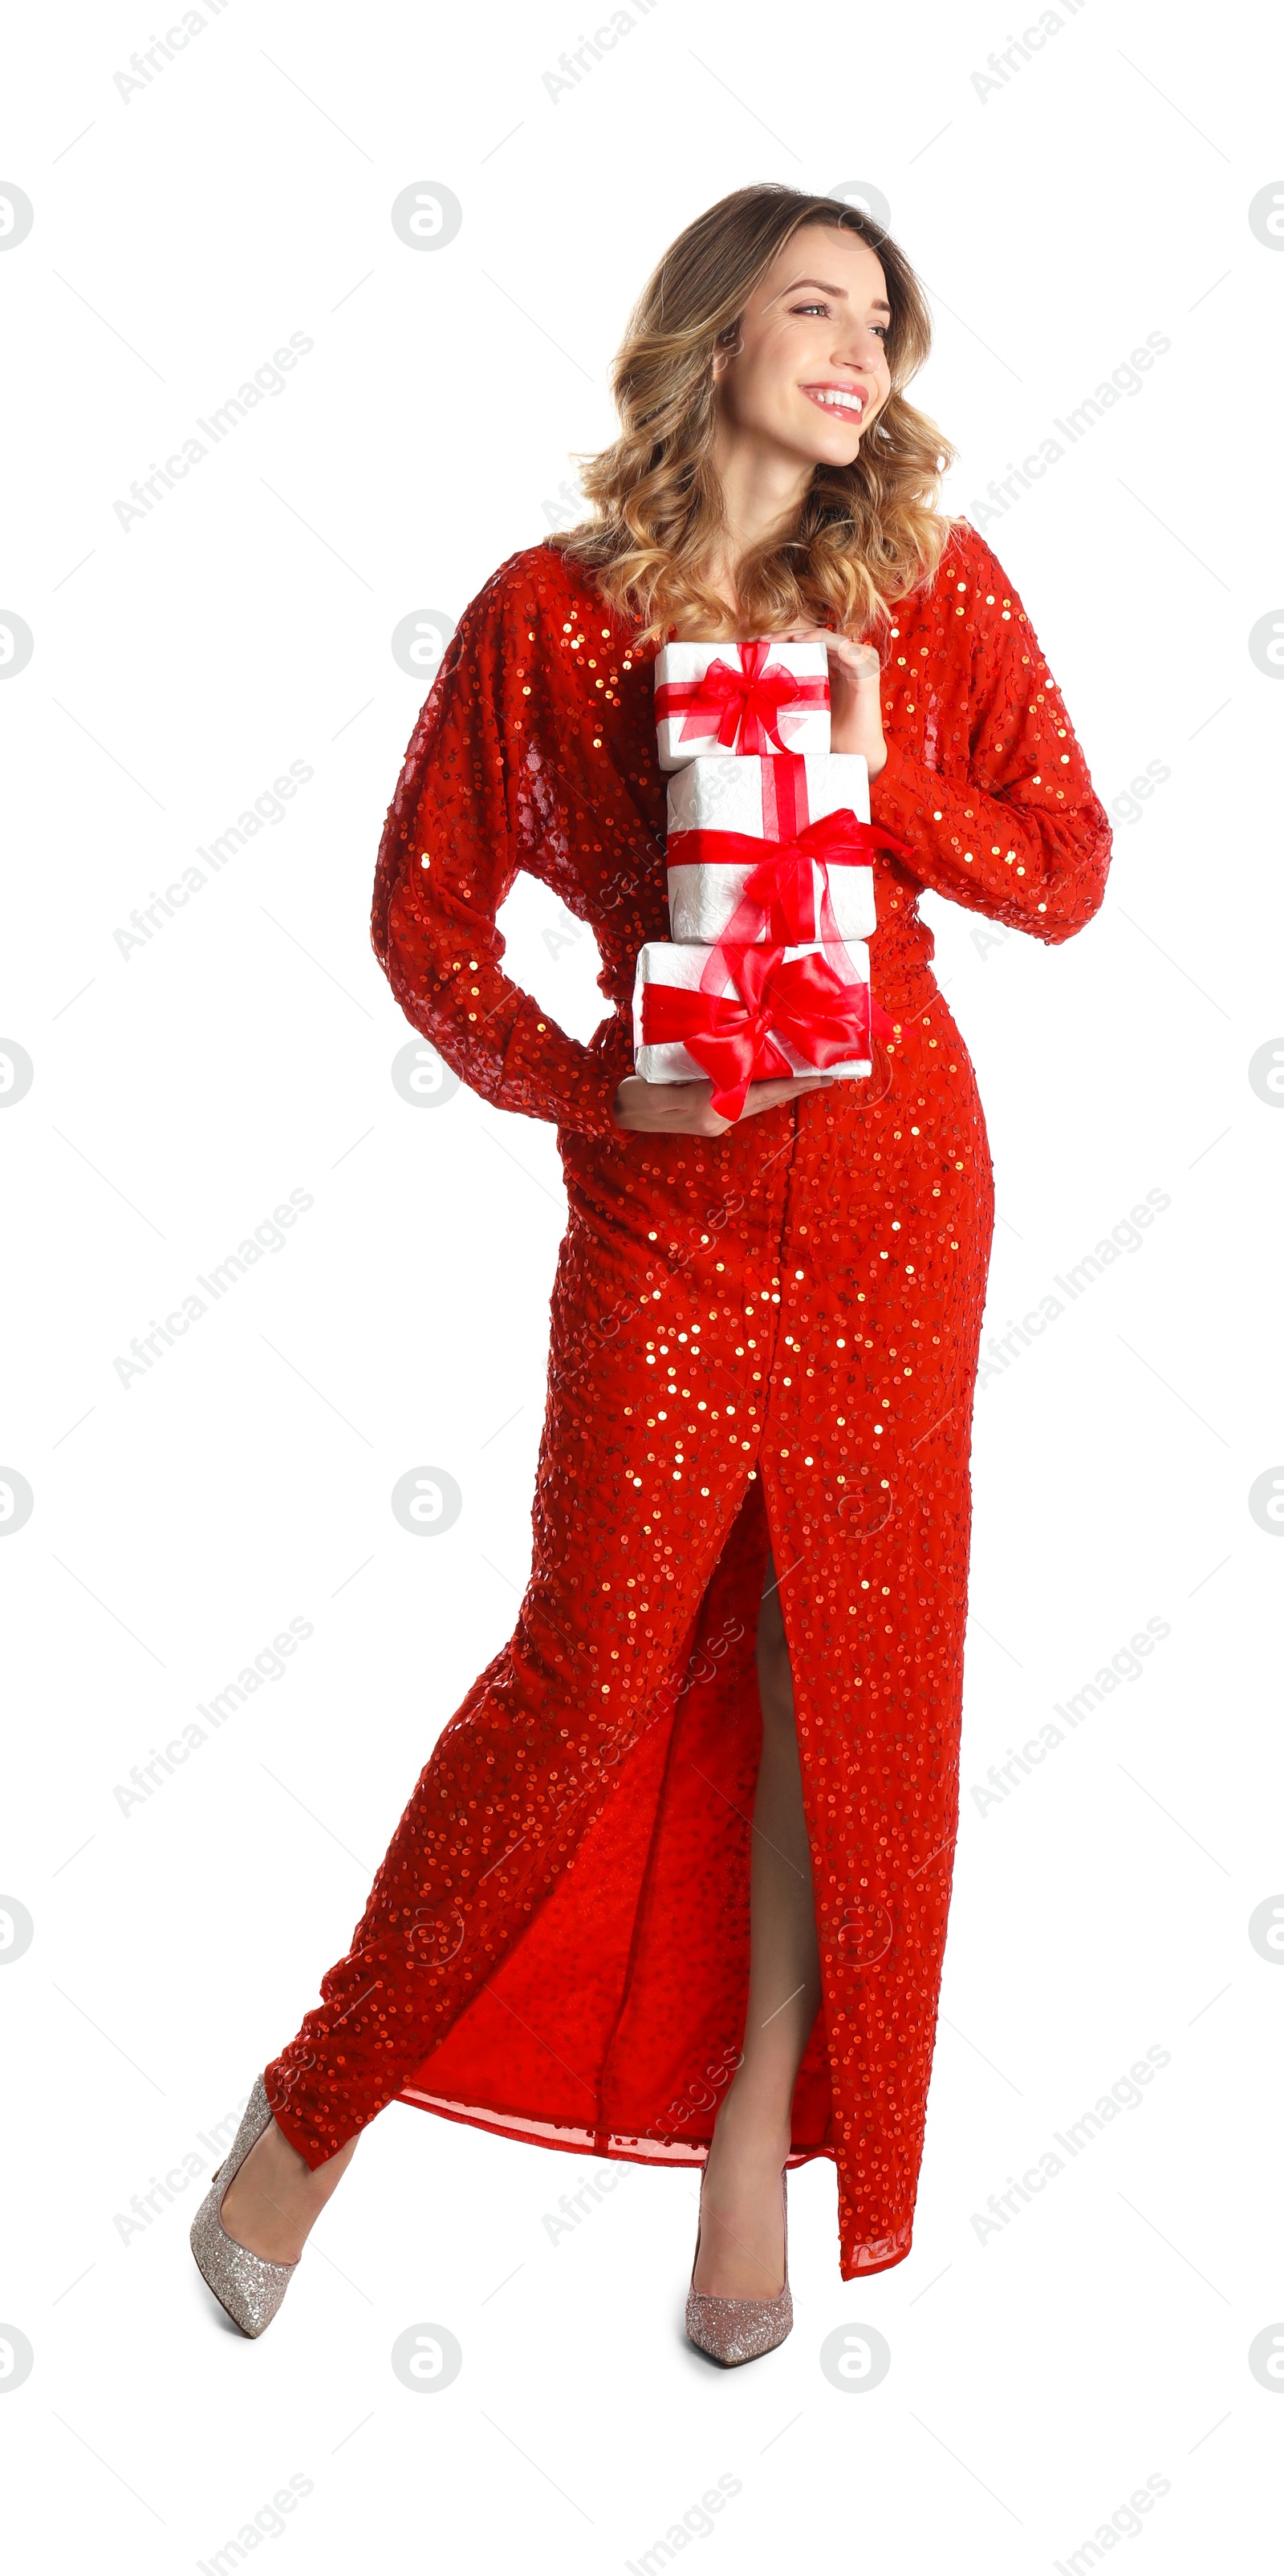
(865, 535)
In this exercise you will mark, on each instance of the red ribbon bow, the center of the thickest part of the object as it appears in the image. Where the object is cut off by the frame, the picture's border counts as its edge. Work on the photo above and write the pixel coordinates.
(778, 892)
(749, 702)
(729, 1035)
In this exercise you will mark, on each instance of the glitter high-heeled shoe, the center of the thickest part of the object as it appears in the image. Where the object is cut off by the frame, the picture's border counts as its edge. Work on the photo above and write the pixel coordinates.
(734, 2330)
(246, 2285)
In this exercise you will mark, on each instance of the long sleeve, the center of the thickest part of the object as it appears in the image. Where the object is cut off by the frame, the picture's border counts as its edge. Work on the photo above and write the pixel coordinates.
(984, 777)
(465, 818)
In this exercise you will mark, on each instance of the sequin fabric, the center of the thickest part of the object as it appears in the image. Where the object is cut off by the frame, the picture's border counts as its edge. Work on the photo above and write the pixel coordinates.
(763, 1339)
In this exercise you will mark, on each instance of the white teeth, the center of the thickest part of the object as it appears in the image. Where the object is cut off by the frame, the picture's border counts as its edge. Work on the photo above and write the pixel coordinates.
(836, 401)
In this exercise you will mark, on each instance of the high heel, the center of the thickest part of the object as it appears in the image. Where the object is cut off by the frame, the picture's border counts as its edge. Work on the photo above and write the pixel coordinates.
(246, 2285)
(734, 2330)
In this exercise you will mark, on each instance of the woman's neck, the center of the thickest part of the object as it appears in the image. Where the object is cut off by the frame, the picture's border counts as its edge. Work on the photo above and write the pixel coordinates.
(763, 486)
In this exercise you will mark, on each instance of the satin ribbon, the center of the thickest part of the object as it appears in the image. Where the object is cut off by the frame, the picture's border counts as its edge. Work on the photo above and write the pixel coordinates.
(729, 1035)
(750, 702)
(778, 893)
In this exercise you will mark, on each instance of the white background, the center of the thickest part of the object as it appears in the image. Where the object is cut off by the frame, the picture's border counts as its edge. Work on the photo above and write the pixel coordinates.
(1101, 2336)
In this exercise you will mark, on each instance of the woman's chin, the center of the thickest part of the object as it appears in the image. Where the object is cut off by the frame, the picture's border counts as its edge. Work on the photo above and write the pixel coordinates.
(834, 443)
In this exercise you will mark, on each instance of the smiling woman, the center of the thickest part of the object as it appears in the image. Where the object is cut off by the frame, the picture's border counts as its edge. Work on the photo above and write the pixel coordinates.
(674, 1883)
(816, 327)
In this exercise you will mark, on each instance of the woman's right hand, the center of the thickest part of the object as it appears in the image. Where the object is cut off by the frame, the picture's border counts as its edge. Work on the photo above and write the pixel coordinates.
(686, 1108)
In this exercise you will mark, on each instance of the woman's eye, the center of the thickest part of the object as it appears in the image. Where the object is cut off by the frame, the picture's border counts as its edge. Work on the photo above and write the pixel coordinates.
(811, 308)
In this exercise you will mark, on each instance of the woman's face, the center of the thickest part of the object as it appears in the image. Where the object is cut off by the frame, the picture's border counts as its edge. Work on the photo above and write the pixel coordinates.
(810, 370)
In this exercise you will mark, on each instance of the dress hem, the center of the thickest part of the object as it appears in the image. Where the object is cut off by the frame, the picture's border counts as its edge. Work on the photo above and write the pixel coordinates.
(619, 2147)
(623, 2146)
(859, 2271)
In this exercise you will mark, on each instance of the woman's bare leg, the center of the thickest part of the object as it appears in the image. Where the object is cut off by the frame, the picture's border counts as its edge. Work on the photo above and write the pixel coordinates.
(741, 2231)
(276, 2199)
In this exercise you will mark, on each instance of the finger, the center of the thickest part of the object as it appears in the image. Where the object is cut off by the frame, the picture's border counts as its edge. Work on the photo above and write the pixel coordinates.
(857, 662)
(831, 635)
(682, 1106)
(768, 1095)
(675, 1094)
(648, 1108)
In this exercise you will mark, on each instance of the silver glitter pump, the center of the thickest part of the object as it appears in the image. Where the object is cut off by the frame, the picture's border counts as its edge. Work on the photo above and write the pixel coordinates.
(735, 2330)
(248, 2287)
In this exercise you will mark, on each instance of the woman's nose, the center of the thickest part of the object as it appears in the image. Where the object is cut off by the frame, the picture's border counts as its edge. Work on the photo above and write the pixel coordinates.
(854, 361)
(855, 348)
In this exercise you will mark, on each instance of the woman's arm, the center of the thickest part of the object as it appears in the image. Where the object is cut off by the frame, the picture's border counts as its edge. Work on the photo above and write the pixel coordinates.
(452, 845)
(1024, 839)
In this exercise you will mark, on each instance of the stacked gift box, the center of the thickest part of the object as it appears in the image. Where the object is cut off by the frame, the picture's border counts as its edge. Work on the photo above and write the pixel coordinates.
(771, 888)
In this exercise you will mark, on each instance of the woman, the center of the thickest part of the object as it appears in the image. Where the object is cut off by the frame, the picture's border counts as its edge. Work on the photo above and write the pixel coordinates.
(673, 1885)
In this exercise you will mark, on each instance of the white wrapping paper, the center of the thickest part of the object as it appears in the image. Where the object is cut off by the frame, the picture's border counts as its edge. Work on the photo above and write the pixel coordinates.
(662, 961)
(768, 800)
(805, 729)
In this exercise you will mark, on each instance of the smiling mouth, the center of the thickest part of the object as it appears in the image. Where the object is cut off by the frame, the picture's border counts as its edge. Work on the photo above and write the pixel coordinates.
(849, 400)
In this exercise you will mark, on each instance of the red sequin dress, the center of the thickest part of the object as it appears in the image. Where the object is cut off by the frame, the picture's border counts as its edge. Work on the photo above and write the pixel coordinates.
(764, 1339)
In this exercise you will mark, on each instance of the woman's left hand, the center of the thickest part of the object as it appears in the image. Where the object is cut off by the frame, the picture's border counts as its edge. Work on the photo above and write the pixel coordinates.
(855, 674)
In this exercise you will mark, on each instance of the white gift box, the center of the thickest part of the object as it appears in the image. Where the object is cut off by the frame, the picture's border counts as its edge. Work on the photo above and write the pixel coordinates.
(662, 961)
(749, 710)
(770, 801)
